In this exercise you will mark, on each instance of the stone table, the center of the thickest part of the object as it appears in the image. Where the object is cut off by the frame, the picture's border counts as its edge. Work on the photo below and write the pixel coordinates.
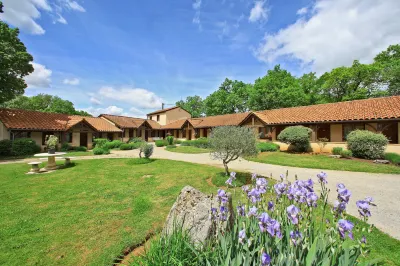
(51, 159)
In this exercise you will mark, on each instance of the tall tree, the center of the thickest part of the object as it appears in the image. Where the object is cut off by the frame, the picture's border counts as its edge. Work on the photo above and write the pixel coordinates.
(275, 90)
(14, 62)
(193, 104)
(389, 62)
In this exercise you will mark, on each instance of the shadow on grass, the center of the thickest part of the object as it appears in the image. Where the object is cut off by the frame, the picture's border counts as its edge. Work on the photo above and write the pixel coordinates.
(137, 161)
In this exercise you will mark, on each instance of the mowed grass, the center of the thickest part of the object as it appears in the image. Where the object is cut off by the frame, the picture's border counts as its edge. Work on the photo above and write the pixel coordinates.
(187, 149)
(89, 213)
(323, 162)
(79, 153)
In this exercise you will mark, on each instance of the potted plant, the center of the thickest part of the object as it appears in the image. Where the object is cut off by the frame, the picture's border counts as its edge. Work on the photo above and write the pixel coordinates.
(51, 144)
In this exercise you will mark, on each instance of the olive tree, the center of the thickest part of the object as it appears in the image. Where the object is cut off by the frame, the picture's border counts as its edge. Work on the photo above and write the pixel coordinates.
(228, 143)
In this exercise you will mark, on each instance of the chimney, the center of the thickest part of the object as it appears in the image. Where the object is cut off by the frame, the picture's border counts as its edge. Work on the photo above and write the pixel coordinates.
(162, 106)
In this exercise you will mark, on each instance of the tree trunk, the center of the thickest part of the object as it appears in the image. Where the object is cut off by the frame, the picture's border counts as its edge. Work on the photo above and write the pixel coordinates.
(226, 168)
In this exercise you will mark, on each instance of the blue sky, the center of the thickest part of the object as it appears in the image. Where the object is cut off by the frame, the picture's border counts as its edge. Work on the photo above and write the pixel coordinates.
(126, 57)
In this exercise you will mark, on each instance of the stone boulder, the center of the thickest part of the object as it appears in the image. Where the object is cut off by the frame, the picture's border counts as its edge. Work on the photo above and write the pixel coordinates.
(191, 211)
(381, 161)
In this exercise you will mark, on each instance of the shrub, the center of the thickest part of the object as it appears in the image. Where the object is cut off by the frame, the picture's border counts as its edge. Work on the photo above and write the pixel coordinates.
(366, 144)
(228, 143)
(177, 141)
(171, 146)
(200, 143)
(346, 154)
(65, 147)
(161, 143)
(146, 149)
(322, 143)
(5, 147)
(392, 157)
(113, 144)
(100, 143)
(170, 140)
(80, 148)
(126, 146)
(267, 146)
(186, 143)
(136, 140)
(100, 151)
(337, 150)
(24, 146)
(298, 137)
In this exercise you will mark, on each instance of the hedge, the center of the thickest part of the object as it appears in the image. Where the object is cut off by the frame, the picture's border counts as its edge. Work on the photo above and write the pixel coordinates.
(337, 150)
(392, 157)
(113, 144)
(5, 147)
(24, 146)
(366, 144)
(267, 146)
(100, 151)
(161, 143)
(100, 143)
(298, 138)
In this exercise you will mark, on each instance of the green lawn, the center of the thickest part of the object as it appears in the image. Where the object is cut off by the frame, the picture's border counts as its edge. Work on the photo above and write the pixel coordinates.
(323, 162)
(187, 149)
(89, 213)
(79, 153)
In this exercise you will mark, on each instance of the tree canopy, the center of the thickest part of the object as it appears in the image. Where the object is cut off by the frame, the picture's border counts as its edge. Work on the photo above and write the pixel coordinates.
(44, 103)
(14, 62)
(279, 88)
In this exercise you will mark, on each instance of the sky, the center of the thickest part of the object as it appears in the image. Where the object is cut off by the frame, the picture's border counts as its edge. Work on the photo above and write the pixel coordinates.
(127, 57)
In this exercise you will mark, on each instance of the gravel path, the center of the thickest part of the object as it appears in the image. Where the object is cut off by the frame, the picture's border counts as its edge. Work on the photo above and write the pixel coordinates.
(384, 188)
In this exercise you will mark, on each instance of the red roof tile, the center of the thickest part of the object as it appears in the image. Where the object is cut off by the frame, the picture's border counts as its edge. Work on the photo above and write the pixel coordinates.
(218, 120)
(124, 121)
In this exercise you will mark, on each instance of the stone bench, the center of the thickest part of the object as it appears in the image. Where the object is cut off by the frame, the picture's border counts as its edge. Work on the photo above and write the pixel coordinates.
(34, 167)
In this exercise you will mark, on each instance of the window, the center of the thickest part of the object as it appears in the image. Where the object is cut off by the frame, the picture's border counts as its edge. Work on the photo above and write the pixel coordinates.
(110, 136)
(324, 131)
(151, 117)
(158, 118)
(44, 136)
(68, 137)
(347, 128)
(21, 134)
(131, 133)
(184, 133)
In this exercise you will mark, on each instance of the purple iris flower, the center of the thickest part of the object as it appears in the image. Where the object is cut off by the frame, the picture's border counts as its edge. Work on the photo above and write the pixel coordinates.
(280, 188)
(254, 195)
(344, 227)
(213, 214)
(363, 208)
(309, 185)
(312, 199)
(222, 196)
(340, 186)
(229, 181)
(265, 259)
(261, 185)
(322, 177)
(344, 195)
(295, 236)
(252, 211)
(253, 176)
(339, 207)
(270, 206)
(364, 240)
(241, 210)
(293, 212)
(223, 213)
(242, 236)
(233, 175)
(270, 225)
(245, 188)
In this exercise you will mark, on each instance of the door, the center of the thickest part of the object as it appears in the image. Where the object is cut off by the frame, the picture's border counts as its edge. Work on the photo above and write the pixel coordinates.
(146, 135)
(83, 140)
(190, 134)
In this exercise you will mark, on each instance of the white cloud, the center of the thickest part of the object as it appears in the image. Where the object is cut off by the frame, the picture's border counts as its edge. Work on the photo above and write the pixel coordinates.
(74, 6)
(140, 98)
(196, 4)
(39, 78)
(95, 101)
(224, 29)
(258, 12)
(73, 81)
(196, 19)
(338, 32)
(111, 110)
(302, 11)
(25, 13)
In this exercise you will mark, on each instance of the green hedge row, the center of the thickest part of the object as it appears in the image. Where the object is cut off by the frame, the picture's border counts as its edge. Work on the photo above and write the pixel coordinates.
(18, 147)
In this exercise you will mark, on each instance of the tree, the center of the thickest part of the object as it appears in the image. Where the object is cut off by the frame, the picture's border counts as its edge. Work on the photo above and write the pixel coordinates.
(389, 63)
(277, 89)
(14, 62)
(310, 85)
(44, 103)
(193, 104)
(228, 143)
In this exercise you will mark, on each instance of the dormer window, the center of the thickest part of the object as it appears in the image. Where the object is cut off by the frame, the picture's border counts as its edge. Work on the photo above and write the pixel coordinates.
(158, 118)
(151, 117)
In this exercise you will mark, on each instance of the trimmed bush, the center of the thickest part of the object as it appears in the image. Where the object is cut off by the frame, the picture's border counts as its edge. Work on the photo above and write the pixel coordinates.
(267, 146)
(100, 151)
(161, 143)
(337, 150)
(346, 154)
(392, 157)
(125, 147)
(80, 148)
(113, 144)
(136, 140)
(170, 140)
(5, 147)
(186, 143)
(298, 137)
(366, 144)
(177, 141)
(24, 146)
(147, 150)
(100, 143)
(65, 147)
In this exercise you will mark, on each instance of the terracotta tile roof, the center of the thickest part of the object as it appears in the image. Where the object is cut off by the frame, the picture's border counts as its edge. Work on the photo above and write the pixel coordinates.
(218, 120)
(369, 109)
(178, 124)
(34, 120)
(124, 121)
(153, 124)
(162, 110)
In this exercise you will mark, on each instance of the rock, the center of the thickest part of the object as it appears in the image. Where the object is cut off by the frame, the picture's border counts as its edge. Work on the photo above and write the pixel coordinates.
(191, 211)
(381, 161)
(335, 156)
